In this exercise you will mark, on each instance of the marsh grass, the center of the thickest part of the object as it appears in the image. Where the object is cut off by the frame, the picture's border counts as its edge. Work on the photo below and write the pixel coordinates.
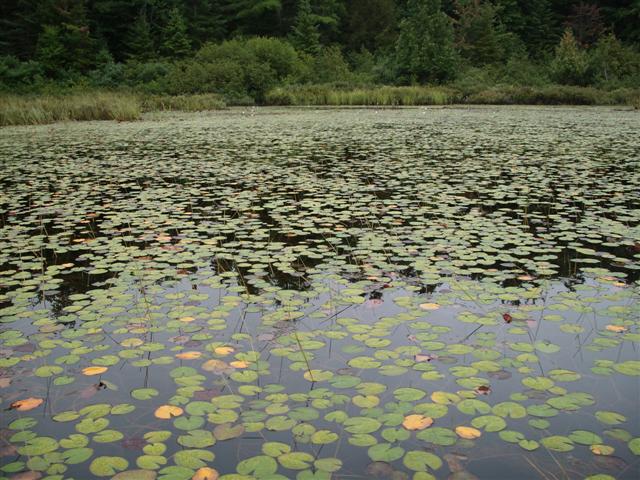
(382, 96)
(425, 95)
(27, 110)
(97, 105)
(125, 106)
(185, 103)
(550, 95)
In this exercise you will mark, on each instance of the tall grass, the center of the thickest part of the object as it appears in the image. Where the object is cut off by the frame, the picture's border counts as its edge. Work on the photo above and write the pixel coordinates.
(185, 103)
(380, 96)
(27, 110)
(425, 95)
(550, 95)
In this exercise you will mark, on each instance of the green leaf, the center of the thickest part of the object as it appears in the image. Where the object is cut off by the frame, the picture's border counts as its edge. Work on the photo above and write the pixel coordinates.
(38, 446)
(322, 437)
(472, 406)
(361, 425)
(108, 466)
(584, 437)
(197, 439)
(144, 393)
(558, 443)
(634, 446)
(296, 460)
(258, 466)
(489, 423)
(48, 371)
(275, 449)
(511, 436)
(385, 452)
(438, 435)
(610, 418)
(630, 367)
(408, 394)
(529, 445)
(328, 464)
(420, 461)
(107, 436)
(510, 410)
(77, 455)
(193, 458)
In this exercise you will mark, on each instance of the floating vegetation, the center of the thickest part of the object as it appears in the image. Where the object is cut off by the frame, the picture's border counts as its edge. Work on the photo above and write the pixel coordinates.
(269, 294)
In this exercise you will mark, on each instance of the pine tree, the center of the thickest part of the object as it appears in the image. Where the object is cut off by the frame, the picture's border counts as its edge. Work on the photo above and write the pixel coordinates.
(139, 44)
(255, 17)
(480, 38)
(50, 51)
(571, 64)
(425, 50)
(205, 21)
(175, 42)
(65, 43)
(305, 35)
(371, 24)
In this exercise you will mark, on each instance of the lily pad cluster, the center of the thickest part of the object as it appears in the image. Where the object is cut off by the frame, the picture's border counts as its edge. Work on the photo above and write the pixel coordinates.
(312, 295)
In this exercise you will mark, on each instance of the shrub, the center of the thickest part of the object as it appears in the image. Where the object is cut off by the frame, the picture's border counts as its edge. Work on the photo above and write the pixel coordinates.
(150, 77)
(614, 64)
(330, 66)
(279, 55)
(15, 74)
(240, 68)
(223, 77)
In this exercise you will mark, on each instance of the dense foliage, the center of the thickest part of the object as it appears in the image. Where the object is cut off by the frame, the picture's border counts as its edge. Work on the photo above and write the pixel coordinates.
(244, 48)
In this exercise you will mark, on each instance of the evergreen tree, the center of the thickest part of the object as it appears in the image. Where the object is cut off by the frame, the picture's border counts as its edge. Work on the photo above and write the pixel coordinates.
(305, 35)
(20, 26)
(65, 43)
(571, 64)
(425, 50)
(371, 24)
(50, 51)
(205, 21)
(586, 22)
(481, 39)
(139, 45)
(255, 17)
(175, 43)
(541, 27)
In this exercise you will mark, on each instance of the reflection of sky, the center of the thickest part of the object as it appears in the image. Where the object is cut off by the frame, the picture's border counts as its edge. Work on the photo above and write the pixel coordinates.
(616, 393)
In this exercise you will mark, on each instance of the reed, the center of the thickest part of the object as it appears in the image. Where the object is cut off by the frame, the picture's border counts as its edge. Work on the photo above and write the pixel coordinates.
(366, 96)
(185, 103)
(43, 109)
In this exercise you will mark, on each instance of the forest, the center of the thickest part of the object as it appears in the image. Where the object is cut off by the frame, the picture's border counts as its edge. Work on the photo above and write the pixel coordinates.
(302, 51)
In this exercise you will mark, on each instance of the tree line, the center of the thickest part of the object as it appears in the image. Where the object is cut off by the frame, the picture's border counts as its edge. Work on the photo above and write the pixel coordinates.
(243, 48)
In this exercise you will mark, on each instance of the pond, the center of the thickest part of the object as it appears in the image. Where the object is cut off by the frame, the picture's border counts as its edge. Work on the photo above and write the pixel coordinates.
(413, 293)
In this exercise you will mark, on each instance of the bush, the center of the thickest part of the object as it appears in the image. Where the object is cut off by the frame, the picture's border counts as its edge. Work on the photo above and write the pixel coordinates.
(279, 55)
(330, 66)
(238, 68)
(17, 75)
(149, 77)
(223, 77)
(614, 64)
